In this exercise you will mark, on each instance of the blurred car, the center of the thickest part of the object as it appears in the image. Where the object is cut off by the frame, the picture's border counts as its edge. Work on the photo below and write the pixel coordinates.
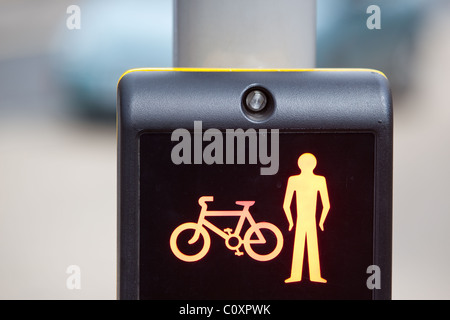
(114, 36)
(345, 41)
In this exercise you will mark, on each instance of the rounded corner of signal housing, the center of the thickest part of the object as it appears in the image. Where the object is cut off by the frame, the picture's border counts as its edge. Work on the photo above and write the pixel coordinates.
(378, 73)
(124, 76)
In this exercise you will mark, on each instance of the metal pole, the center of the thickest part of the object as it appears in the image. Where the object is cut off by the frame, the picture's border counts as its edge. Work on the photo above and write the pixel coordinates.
(245, 33)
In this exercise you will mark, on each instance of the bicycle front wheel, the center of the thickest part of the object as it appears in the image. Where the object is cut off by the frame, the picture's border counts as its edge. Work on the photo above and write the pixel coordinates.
(272, 233)
(183, 232)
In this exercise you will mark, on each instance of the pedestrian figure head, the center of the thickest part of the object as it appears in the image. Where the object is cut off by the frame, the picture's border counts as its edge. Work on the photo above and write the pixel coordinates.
(307, 162)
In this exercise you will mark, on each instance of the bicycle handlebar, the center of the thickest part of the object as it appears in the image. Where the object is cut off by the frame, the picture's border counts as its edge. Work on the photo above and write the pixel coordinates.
(202, 200)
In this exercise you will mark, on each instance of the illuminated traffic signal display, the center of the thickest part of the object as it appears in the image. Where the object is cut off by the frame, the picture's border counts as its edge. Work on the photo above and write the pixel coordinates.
(211, 232)
(221, 202)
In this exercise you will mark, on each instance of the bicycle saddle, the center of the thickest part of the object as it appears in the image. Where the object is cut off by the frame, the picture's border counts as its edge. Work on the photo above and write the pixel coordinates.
(245, 203)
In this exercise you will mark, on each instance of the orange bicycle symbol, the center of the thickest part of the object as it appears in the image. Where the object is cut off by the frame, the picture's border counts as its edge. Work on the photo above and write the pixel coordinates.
(233, 240)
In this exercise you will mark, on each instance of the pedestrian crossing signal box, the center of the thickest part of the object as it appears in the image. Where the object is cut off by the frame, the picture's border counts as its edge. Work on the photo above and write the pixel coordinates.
(254, 184)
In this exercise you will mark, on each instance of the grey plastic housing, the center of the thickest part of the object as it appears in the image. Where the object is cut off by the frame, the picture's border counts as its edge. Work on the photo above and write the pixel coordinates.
(306, 101)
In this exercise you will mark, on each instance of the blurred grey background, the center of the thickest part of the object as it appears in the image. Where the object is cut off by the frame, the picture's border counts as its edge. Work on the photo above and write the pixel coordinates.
(58, 139)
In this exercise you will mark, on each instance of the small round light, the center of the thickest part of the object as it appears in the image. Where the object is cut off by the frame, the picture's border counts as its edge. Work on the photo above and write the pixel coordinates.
(256, 100)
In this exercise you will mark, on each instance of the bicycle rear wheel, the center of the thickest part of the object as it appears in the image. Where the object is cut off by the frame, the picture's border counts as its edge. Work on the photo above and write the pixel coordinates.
(248, 242)
(194, 227)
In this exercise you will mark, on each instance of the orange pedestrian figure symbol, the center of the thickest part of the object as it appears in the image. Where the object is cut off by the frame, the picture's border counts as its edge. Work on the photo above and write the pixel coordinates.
(306, 185)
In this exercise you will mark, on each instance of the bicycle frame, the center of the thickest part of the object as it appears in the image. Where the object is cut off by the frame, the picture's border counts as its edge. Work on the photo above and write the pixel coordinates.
(243, 214)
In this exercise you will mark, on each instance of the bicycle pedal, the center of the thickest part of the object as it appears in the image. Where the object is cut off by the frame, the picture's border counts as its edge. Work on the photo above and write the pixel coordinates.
(239, 253)
(228, 230)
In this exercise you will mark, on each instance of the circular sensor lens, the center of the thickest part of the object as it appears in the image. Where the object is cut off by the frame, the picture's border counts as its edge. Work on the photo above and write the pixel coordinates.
(257, 103)
(256, 100)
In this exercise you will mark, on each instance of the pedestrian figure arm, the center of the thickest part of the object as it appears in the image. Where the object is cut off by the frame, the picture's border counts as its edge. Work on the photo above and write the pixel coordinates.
(323, 191)
(287, 204)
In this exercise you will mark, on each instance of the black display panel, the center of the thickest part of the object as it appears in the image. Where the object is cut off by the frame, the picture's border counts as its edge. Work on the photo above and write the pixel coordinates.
(169, 196)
